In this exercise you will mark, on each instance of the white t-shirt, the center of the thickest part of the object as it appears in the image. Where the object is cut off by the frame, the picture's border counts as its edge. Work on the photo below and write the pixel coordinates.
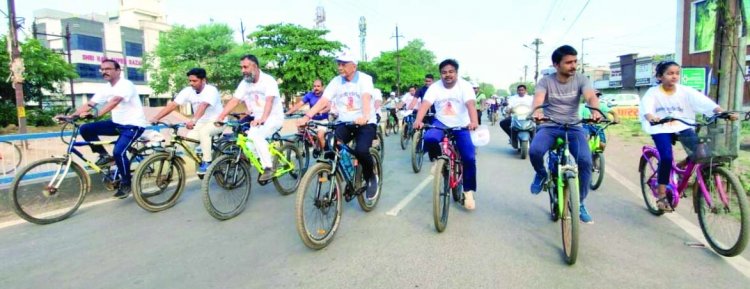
(254, 95)
(130, 110)
(209, 95)
(450, 104)
(347, 96)
(407, 99)
(517, 100)
(683, 104)
(377, 95)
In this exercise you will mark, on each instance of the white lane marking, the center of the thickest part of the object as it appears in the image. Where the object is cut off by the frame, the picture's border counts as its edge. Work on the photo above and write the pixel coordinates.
(394, 212)
(19, 221)
(738, 262)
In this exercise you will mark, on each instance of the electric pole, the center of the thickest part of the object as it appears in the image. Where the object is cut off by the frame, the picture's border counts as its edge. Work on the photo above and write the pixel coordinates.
(398, 63)
(16, 66)
(536, 44)
(525, 72)
(67, 53)
(582, 54)
(242, 31)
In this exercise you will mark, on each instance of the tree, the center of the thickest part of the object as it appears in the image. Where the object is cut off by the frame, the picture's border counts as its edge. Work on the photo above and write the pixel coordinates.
(416, 61)
(296, 55)
(486, 88)
(502, 92)
(529, 87)
(207, 46)
(45, 69)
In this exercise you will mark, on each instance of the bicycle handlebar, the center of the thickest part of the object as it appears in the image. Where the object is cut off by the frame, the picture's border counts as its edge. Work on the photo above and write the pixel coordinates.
(711, 119)
(581, 121)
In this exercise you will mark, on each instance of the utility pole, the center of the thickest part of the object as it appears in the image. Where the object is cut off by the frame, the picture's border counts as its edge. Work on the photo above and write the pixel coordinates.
(16, 66)
(398, 63)
(67, 53)
(536, 44)
(525, 72)
(583, 64)
(242, 31)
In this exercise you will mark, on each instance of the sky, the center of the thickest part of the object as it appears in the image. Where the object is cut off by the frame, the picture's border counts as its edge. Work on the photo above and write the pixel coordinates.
(485, 37)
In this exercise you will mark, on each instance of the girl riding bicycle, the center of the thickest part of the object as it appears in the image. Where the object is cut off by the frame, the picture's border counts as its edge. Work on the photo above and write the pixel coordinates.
(671, 99)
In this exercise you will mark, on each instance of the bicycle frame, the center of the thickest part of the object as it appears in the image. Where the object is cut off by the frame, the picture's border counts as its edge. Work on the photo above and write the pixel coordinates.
(565, 169)
(454, 159)
(242, 141)
(684, 174)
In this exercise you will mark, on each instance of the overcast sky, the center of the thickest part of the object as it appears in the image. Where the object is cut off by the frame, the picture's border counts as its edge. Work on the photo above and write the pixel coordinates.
(485, 37)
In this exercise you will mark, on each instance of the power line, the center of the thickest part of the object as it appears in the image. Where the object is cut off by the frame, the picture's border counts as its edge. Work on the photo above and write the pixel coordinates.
(575, 20)
(549, 13)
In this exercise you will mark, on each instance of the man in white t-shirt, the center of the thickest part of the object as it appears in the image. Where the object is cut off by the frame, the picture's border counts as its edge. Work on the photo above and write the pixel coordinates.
(260, 92)
(206, 103)
(351, 92)
(128, 121)
(521, 98)
(455, 106)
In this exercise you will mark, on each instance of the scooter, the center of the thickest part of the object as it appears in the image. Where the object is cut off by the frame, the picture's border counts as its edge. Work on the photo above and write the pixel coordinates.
(522, 129)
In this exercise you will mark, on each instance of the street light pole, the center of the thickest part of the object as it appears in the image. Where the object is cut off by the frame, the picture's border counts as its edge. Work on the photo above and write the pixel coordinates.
(583, 64)
(536, 44)
(398, 63)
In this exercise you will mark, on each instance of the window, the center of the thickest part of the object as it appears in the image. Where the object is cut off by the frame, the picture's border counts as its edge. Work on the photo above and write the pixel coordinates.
(85, 42)
(88, 71)
(135, 74)
(157, 101)
(133, 49)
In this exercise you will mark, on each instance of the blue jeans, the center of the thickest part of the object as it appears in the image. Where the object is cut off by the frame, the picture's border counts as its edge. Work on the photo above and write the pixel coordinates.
(127, 135)
(663, 142)
(595, 129)
(578, 143)
(464, 146)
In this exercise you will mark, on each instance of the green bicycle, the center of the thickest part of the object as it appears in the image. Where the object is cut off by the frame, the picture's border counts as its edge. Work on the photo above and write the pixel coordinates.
(226, 187)
(597, 156)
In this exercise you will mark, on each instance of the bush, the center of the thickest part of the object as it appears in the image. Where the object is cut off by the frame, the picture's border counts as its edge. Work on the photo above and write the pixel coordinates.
(8, 113)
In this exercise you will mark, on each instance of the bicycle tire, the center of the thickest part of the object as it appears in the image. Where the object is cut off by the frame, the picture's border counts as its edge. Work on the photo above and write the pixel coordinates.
(381, 143)
(293, 155)
(417, 152)
(404, 137)
(153, 198)
(318, 172)
(570, 220)
(597, 177)
(10, 157)
(736, 217)
(54, 213)
(441, 195)
(224, 170)
(368, 205)
(647, 170)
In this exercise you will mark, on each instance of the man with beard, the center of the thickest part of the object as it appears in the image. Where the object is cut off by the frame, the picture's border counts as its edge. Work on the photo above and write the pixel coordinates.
(311, 98)
(260, 92)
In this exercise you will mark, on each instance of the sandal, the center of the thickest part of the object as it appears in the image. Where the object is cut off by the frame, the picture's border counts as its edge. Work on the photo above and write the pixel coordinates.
(664, 204)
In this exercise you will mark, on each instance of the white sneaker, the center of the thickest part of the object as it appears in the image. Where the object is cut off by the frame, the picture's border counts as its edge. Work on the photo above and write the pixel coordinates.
(469, 203)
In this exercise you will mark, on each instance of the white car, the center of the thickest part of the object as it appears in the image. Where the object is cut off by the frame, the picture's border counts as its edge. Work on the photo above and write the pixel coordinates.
(622, 99)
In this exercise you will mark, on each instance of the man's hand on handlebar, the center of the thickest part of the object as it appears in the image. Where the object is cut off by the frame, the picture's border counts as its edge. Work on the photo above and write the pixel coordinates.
(418, 124)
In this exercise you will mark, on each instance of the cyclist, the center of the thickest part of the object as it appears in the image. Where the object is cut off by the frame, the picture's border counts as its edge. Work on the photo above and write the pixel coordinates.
(311, 98)
(351, 91)
(454, 102)
(206, 103)
(377, 97)
(479, 101)
(672, 99)
(128, 121)
(491, 104)
(260, 92)
(428, 80)
(562, 93)
(520, 98)
(593, 128)
(390, 106)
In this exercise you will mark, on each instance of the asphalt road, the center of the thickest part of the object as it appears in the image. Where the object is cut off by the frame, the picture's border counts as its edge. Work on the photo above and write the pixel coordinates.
(507, 242)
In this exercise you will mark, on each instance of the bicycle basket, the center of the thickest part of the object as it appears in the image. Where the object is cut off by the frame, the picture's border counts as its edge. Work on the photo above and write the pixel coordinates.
(715, 143)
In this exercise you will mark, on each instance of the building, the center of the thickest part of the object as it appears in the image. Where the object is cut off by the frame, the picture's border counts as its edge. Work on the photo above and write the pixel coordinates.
(124, 35)
(696, 27)
(631, 74)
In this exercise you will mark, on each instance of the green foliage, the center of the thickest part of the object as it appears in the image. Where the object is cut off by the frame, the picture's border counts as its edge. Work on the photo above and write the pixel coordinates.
(487, 89)
(207, 46)
(7, 113)
(416, 61)
(44, 70)
(501, 92)
(295, 54)
(529, 87)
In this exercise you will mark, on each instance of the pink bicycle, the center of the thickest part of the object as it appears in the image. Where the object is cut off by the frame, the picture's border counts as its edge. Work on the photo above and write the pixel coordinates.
(718, 197)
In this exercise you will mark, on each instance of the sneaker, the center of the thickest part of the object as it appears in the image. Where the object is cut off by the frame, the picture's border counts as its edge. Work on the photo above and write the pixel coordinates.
(267, 175)
(538, 183)
(372, 189)
(122, 192)
(203, 167)
(104, 160)
(584, 214)
(469, 203)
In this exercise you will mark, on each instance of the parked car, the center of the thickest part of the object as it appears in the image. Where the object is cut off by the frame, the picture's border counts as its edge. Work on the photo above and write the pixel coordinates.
(622, 99)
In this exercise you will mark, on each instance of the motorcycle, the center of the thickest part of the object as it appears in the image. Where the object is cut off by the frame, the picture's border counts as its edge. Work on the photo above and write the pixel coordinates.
(522, 129)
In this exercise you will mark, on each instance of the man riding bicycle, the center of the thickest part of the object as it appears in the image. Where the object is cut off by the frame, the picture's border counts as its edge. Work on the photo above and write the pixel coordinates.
(454, 102)
(428, 80)
(311, 98)
(561, 93)
(351, 91)
(206, 103)
(128, 121)
(260, 92)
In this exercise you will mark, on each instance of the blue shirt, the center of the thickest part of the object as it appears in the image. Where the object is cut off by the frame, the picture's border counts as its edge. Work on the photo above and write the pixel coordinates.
(311, 99)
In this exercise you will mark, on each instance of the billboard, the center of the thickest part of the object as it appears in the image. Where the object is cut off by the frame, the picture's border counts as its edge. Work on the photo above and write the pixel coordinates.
(695, 77)
(703, 24)
(615, 77)
(643, 73)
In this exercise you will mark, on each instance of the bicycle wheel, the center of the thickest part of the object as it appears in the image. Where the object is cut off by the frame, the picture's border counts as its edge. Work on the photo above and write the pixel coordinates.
(724, 222)
(380, 141)
(287, 183)
(226, 187)
(441, 195)
(597, 170)
(306, 156)
(369, 204)
(10, 157)
(318, 206)
(45, 191)
(417, 152)
(396, 127)
(647, 168)
(404, 136)
(159, 182)
(570, 220)
(226, 148)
